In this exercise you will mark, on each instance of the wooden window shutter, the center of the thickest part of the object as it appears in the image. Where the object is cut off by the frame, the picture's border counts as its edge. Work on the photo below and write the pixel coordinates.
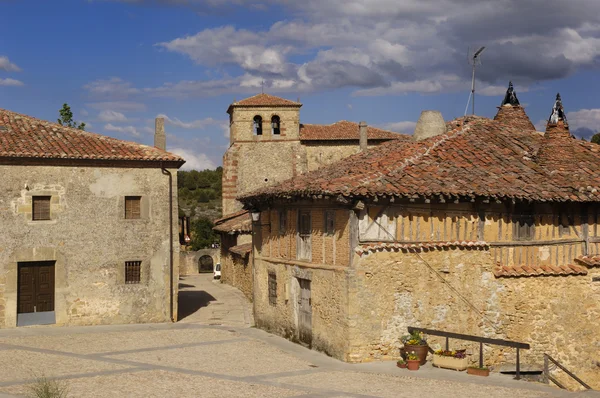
(133, 207)
(40, 208)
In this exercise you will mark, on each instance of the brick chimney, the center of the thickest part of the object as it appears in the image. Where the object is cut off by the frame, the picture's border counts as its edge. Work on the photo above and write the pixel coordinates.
(364, 141)
(430, 124)
(160, 139)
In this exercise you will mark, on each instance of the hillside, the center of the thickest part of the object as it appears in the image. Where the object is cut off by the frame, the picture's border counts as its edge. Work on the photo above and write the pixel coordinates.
(200, 193)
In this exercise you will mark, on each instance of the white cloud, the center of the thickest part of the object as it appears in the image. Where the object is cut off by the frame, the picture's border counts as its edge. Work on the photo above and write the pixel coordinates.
(584, 118)
(193, 161)
(10, 82)
(194, 124)
(119, 105)
(112, 116)
(113, 87)
(8, 66)
(84, 112)
(130, 130)
(405, 127)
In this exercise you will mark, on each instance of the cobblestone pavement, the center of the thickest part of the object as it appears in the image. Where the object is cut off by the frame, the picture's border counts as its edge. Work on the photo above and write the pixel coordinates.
(213, 352)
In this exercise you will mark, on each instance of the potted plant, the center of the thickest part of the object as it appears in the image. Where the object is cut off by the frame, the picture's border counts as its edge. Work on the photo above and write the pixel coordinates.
(401, 363)
(456, 360)
(478, 371)
(412, 361)
(417, 343)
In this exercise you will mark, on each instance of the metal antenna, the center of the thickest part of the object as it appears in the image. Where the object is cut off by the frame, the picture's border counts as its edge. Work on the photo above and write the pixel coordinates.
(262, 86)
(474, 60)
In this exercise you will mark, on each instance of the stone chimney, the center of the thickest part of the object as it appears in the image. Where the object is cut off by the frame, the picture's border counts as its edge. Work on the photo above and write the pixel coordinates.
(511, 112)
(160, 139)
(430, 124)
(364, 142)
(557, 126)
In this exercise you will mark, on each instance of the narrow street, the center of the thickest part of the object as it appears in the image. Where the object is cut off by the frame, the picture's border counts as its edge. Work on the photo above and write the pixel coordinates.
(214, 352)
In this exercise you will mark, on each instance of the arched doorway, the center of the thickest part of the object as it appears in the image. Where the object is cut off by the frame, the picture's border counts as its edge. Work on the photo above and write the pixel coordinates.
(205, 264)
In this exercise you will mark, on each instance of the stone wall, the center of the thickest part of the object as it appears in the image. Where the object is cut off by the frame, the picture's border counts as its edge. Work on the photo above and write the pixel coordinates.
(235, 269)
(90, 241)
(322, 153)
(189, 260)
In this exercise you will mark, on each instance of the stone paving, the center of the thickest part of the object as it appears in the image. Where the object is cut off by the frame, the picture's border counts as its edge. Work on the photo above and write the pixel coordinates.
(214, 352)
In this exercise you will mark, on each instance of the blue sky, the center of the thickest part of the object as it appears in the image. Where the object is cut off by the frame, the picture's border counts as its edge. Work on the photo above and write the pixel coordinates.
(119, 64)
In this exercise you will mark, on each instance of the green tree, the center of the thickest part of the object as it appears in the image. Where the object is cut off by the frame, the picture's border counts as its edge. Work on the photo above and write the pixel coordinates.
(596, 138)
(66, 118)
(202, 234)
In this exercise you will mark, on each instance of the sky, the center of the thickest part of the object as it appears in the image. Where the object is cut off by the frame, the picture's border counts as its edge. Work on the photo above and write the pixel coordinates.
(121, 63)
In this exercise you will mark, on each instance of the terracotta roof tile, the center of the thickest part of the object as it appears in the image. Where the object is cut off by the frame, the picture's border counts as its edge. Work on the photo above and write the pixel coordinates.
(24, 136)
(238, 222)
(590, 261)
(241, 250)
(345, 130)
(417, 247)
(537, 270)
(265, 100)
(477, 157)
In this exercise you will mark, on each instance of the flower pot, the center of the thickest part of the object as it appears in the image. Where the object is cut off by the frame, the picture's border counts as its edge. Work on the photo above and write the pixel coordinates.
(412, 364)
(420, 350)
(478, 371)
(447, 362)
(401, 365)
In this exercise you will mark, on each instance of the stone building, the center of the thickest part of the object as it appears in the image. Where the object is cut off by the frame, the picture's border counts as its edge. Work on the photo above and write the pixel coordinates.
(487, 228)
(269, 145)
(87, 226)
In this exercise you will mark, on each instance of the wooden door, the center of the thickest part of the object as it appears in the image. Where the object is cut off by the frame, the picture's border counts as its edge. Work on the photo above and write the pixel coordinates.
(36, 287)
(305, 313)
(304, 251)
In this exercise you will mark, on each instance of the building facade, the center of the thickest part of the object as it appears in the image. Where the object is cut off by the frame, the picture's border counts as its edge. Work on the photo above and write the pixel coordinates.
(487, 228)
(88, 224)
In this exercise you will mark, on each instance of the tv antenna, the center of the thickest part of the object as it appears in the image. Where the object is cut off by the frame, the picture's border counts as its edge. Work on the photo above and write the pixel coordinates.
(474, 60)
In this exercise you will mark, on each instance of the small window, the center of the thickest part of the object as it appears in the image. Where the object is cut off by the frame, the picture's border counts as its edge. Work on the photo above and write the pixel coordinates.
(329, 222)
(272, 288)
(40, 208)
(133, 207)
(275, 130)
(257, 125)
(282, 221)
(523, 223)
(133, 271)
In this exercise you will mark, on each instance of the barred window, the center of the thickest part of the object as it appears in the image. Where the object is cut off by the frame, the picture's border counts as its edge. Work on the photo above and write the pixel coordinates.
(272, 288)
(133, 207)
(133, 271)
(523, 222)
(329, 222)
(40, 208)
(282, 221)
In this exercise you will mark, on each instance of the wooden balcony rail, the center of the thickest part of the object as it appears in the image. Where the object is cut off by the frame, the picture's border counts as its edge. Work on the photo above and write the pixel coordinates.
(478, 339)
(547, 376)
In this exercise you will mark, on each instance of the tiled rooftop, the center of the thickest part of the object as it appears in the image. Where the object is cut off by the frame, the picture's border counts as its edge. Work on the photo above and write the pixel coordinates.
(238, 222)
(590, 261)
(477, 157)
(344, 130)
(418, 247)
(241, 250)
(538, 270)
(24, 136)
(266, 100)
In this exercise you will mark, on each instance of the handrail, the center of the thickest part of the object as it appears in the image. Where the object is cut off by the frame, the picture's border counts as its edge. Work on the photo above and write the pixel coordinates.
(478, 339)
(548, 358)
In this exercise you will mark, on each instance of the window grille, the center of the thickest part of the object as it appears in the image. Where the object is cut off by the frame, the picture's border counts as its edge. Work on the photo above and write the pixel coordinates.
(40, 208)
(133, 207)
(272, 288)
(282, 222)
(133, 271)
(523, 223)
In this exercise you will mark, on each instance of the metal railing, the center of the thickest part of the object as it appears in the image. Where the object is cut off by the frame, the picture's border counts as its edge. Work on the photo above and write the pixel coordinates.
(547, 376)
(478, 339)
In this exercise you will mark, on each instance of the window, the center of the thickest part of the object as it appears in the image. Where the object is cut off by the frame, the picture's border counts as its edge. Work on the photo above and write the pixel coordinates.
(329, 222)
(523, 223)
(303, 248)
(133, 271)
(40, 208)
(275, 130)
(257, 125)
(133, 207)
(282, 221)
(272, 288)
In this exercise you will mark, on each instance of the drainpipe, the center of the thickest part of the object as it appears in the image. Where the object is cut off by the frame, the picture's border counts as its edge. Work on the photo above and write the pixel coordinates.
(167, 172)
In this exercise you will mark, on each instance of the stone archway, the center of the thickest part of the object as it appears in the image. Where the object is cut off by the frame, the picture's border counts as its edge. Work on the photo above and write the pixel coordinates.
(205, 264)
(189, 262)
